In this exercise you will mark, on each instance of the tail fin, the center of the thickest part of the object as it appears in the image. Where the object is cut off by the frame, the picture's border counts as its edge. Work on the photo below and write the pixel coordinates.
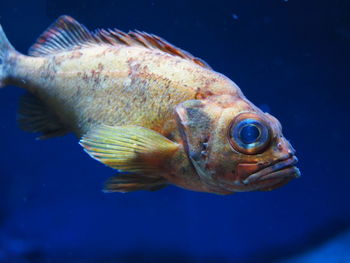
(5, 49)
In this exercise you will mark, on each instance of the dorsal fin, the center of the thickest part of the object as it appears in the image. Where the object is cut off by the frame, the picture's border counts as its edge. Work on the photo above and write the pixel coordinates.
(66, 34)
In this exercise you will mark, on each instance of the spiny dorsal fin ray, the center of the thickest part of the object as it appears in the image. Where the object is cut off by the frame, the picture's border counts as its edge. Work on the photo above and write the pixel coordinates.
(66, 34)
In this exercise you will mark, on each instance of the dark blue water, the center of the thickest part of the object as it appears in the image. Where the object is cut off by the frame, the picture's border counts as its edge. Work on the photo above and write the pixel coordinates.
(289, 57)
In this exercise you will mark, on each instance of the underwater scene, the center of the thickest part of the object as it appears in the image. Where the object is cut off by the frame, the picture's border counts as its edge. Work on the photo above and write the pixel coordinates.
(151, 131)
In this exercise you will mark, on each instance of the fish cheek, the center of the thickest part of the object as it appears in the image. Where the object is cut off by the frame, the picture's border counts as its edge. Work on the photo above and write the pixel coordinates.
(224, 160)
(195, 124)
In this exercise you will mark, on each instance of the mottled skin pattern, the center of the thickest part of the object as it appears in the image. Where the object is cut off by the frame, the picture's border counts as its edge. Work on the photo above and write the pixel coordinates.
(192, 105)
(105, 84)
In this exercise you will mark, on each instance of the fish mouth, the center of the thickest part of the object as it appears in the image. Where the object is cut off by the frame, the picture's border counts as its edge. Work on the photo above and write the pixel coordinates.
(281, 171)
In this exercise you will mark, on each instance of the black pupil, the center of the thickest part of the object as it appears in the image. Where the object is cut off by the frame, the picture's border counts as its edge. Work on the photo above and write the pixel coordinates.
(249, 134)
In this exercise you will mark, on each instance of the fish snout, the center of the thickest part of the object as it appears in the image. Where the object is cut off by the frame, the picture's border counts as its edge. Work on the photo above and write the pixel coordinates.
(264, 177)
(280, 169)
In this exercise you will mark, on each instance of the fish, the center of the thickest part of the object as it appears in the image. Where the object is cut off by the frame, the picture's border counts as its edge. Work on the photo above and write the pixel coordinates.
(151, 111)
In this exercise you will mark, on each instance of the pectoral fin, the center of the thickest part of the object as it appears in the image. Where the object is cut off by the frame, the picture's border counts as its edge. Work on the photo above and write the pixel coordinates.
(131, 149)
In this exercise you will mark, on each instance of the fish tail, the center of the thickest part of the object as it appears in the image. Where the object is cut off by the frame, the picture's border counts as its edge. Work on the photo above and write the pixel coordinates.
(5, 50)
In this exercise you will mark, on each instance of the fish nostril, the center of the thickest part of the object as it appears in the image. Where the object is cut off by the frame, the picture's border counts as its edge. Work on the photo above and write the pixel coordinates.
(279, 146)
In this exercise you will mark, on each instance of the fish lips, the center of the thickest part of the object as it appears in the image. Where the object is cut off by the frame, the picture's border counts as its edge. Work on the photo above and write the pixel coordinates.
(275, 175)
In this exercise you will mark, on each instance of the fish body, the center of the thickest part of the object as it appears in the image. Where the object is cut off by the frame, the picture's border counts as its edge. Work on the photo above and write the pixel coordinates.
(104, 84)
(147, 108)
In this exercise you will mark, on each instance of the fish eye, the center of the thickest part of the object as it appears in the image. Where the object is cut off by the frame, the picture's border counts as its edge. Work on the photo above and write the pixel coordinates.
(249, 134)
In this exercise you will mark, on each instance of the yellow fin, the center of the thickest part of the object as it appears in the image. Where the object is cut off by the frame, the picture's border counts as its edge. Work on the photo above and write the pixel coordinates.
(133, 182)
(129, 148)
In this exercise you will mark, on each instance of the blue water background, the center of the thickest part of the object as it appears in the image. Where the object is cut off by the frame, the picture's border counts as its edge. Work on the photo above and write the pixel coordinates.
(291, 58)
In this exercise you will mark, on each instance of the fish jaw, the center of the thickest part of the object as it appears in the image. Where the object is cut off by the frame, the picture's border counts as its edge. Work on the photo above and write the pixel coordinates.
(250, 176)
(284, 168)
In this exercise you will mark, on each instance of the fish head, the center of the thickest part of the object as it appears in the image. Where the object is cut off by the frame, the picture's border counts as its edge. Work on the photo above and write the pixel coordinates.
(234, 146)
